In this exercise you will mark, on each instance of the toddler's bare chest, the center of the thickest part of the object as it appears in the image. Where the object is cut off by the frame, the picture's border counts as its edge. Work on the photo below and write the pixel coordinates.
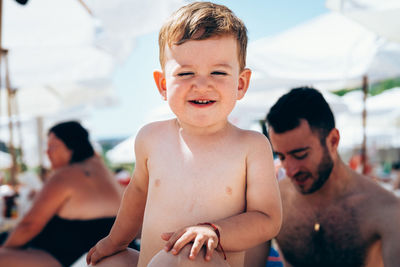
(198, 166)
(332, 236)
(201, 179)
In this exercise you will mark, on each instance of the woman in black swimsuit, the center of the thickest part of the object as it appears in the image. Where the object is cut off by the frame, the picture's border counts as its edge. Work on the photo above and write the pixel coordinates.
(75, 208)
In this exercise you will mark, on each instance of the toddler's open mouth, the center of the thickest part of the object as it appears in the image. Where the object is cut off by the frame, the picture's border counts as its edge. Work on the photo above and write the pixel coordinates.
(202, 102)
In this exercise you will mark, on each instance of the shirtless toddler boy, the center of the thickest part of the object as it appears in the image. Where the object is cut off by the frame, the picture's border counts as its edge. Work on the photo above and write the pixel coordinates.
(198, 168)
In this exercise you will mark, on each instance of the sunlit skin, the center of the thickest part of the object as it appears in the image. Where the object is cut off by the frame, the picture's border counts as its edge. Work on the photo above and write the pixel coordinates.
(200, 76)
(198, 167)
(58, 153)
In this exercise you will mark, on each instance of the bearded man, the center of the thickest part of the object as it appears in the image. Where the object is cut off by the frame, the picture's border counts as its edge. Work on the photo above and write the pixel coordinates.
(332, 216)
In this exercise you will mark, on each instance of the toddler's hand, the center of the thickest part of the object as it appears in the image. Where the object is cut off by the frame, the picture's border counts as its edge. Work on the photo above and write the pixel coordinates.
(200, 235)
(102, 249)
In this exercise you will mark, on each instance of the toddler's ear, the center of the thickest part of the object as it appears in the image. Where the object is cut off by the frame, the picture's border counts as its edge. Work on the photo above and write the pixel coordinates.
(244, 82)
(161, 83)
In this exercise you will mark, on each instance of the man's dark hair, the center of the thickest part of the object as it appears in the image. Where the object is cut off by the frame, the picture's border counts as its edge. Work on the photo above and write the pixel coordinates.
(302, 103)
(76, 138)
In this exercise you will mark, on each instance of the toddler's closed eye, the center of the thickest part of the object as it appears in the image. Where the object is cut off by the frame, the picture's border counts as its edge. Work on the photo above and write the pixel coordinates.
(185, 74)
(218, 73)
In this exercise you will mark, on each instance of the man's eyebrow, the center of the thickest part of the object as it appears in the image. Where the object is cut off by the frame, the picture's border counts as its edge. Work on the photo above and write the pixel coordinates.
(297, 150)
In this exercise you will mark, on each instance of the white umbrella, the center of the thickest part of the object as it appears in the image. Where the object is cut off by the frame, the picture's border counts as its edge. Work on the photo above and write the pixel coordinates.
(51, 58)
(381, 17)
(123, 152)
(121, 21)
(46, 46)
(329, 52)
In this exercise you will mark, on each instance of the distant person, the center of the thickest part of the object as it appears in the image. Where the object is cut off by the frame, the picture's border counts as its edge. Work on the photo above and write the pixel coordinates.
(197, 177)
(396, 175)
(332, 215)
(122, 175)
(75, 208)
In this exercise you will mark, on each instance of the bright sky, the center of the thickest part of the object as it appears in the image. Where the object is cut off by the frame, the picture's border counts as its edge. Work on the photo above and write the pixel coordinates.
(134, 79)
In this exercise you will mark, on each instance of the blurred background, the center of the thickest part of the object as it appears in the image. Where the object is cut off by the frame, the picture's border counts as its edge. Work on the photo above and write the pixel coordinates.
(92, 61)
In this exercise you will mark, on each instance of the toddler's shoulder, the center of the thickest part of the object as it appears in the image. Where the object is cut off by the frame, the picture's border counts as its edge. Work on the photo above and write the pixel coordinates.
(252, 137)
(154, 129)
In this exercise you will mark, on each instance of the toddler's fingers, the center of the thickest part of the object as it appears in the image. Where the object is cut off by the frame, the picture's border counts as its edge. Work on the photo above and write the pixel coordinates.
(89, 255)
(171, 240)
(166, 236)
(95, 258)
(182, 241)
(211, 246)
(197, 245)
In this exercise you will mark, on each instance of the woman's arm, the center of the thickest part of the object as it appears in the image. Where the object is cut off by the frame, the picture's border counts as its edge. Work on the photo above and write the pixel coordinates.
(49, 200)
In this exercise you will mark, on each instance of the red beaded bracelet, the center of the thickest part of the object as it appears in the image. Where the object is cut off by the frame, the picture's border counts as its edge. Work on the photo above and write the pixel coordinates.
(218, 235)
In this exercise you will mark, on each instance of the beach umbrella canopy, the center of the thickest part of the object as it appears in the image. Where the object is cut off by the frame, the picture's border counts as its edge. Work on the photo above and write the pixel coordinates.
(329, 52)
(123, 153)
(47, 47)
(381, 17)
(119, 22)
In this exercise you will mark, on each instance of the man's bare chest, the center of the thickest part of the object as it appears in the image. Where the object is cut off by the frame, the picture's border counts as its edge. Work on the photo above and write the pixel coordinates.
(325, 236)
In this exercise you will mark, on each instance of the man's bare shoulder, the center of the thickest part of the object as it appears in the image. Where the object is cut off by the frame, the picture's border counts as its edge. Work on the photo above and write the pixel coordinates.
(377, 196)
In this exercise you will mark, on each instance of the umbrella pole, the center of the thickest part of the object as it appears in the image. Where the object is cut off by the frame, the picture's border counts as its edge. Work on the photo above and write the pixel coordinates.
(39, 126)
(1, 46)
(13, 171)
(19, 126)
(364, 126)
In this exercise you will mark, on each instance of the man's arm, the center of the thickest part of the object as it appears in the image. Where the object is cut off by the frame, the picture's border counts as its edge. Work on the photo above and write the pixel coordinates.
(390, 234)
(131, 211)
(257, 256)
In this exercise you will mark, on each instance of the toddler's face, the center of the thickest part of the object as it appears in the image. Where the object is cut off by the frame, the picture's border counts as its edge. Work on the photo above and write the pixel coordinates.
(203, 80)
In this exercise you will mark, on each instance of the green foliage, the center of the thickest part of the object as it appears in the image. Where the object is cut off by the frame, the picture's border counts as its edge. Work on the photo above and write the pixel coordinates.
(378, 88)
(374, 89)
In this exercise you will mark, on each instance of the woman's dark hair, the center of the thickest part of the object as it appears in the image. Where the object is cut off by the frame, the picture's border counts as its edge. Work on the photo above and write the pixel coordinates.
(302, 103)
(76, 138)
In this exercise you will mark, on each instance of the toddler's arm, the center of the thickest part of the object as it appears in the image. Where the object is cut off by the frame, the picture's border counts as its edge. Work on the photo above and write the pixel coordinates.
(131, 211)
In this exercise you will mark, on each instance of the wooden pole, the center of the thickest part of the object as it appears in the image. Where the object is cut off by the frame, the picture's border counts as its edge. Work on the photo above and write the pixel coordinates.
(364, 158)
(1, 22)
(39, 126)
(1, 46)
(14, 170)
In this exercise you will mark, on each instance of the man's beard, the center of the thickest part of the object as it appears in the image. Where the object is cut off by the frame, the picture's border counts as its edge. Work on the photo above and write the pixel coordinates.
(323, 171)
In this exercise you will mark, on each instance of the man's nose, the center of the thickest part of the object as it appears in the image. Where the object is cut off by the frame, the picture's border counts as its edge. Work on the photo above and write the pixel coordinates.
(291, 167)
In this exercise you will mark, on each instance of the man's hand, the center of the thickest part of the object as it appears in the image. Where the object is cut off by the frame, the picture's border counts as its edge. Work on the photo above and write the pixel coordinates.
(200, 235)
(102, 249)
